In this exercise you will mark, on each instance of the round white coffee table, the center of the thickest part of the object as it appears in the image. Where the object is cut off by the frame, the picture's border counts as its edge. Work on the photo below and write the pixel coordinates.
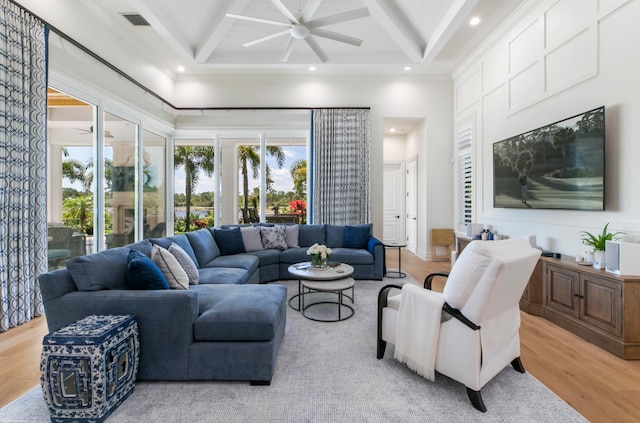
(332, 279)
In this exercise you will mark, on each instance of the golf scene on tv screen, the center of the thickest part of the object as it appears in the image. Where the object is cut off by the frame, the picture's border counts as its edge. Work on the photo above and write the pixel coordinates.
(558, 166)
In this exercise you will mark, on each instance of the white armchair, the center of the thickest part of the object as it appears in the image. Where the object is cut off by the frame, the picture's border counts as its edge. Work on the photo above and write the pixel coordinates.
(479, 331)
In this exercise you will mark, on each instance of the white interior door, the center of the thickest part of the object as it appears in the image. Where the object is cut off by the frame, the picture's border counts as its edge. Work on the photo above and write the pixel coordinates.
(393, 204)
(411, 183)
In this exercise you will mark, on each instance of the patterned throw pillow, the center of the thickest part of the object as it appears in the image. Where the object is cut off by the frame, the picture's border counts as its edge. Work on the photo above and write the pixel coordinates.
(186, 262)
(170, 268)
(274, 237)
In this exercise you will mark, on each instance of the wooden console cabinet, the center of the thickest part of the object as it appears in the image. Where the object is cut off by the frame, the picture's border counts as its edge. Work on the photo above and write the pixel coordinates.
(594, 304)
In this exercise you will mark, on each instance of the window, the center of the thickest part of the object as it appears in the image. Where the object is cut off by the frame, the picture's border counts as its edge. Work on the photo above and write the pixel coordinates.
(464, 175)
(107, 187)
(465, 179)
(70, 166)
(154, 187)
(120, 181)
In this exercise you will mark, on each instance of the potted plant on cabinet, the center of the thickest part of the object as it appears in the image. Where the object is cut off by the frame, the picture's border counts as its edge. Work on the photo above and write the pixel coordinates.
(598, 242)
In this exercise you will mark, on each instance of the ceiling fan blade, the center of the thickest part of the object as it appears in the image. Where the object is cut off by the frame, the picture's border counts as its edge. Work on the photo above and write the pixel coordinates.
(285, 12)
(337, 37)
(259, 20)
(317, 49)
(287, 50)
(309, 10)
(340, 17)
(266, 38)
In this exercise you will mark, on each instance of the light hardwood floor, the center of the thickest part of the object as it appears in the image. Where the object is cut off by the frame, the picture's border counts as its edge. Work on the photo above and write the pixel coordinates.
(599, 385)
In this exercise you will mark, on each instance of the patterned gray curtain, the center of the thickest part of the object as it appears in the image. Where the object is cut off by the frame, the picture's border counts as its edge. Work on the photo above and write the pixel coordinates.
(23, 195)
(341, 185)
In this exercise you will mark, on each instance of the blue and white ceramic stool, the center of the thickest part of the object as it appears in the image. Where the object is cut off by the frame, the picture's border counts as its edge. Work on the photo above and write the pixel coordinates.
(89, 367)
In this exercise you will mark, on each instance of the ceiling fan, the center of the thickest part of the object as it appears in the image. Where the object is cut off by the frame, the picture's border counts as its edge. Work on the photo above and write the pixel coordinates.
(89, 131)
(304, 28)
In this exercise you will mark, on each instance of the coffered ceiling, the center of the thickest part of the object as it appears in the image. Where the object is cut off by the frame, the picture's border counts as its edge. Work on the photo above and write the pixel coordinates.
(430, 36)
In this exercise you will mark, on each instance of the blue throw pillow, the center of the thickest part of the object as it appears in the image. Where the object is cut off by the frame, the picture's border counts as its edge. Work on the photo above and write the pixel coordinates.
(229, 241)
(356, 237)
(142, 273)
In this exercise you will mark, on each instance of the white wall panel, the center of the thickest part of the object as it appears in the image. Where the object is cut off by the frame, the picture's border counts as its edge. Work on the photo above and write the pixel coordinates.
(588, 61)
(469, 90)
(495, 67)
(525, 47)
(567, 17)
(573, 61)
(607, 6)
(527, 86)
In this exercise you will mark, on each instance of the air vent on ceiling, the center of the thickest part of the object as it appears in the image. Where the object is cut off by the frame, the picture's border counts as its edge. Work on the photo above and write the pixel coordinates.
(135, 19)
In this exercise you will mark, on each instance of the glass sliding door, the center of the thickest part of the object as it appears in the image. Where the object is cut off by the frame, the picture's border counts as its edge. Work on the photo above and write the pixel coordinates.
(120, 180)
(194, 184)
(70, 191)
(154, 189)
(286, 182)
(249, 177)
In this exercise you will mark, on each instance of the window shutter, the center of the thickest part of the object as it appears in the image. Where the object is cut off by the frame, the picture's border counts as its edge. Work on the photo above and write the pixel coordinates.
(465, 184)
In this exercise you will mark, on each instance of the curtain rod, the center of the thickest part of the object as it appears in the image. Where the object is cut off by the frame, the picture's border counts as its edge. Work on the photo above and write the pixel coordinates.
(151, 92)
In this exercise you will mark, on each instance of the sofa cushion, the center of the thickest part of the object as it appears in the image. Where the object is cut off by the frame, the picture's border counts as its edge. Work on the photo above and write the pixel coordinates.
(292, 233)
(185, 261)
(229, 241)
(274, 237)
(352, 255)
(163, 242)
(310, 234)
(204, 246)
(251, 238)
(142, 273)
(223, 275)
(266, 257)
(238, 261)
(295, 255)
(335, 235)
(239, 313)
(184, 243)
(143, 246)
(170, 268)
(104, 270)
(356, 236)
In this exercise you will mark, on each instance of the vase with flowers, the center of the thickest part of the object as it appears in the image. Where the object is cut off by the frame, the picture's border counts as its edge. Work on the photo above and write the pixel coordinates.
(319, 254)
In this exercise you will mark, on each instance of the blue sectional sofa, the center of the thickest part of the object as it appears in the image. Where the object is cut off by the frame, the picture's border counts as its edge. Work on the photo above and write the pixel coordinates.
(230, 325)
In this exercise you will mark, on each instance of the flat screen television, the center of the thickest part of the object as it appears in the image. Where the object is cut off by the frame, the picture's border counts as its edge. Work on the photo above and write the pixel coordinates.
(557, 166)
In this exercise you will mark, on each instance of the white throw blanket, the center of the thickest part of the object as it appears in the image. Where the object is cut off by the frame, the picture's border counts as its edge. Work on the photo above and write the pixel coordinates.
(418, 328)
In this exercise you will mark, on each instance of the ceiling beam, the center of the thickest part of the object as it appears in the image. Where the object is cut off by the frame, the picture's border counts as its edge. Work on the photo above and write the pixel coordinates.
(146, 9)
(219, 29)
(457, 15)
(397, 26)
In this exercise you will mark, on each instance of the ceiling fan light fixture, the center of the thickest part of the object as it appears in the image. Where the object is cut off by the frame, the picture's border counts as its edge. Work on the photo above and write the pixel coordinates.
(299, 32)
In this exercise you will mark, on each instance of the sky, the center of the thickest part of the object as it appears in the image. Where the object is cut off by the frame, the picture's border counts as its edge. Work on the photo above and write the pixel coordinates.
(281, 177)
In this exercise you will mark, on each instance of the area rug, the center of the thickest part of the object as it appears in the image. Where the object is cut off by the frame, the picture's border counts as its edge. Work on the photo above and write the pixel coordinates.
(328, 372)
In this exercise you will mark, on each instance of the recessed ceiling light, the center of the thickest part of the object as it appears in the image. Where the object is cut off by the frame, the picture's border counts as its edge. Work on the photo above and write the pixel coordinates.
(181, 68)
(312, 68)
(407, 68)
(392, 130)
(474, 21)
